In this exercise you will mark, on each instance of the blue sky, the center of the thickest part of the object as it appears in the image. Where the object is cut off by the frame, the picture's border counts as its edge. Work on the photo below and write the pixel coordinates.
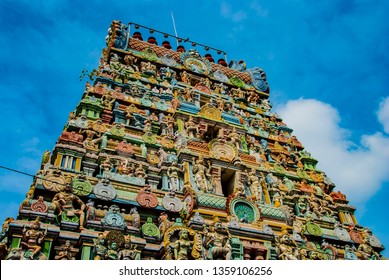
(326, 63)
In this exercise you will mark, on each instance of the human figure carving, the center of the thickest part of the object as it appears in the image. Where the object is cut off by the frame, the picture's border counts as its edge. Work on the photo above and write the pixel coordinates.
(99, 248)
(173, 173)
(201, 173)
(255, 185)
(63, 204)
(218, 243)
(182, 246)
(191, 128)
(33, 238)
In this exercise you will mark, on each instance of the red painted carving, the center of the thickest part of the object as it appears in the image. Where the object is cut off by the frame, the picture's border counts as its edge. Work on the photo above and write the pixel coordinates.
(39, 205)
(146, 198)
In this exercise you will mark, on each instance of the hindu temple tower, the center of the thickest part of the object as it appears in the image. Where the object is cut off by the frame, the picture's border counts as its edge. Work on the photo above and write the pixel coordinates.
(175, 153)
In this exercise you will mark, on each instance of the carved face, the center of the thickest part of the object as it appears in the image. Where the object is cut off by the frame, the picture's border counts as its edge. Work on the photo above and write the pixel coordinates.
(184, 234)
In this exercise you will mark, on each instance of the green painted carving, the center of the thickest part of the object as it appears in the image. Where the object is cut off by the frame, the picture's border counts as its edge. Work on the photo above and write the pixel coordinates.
(271, 212)
(212, 201)
(146, 102)
(161, 105)
(244, 212)
(149, 138)
(237, 82)
(81, 187)
(149, 54)
(118, 131)
(313, 229)
(279, 169)
(150, 229)
(69, 218)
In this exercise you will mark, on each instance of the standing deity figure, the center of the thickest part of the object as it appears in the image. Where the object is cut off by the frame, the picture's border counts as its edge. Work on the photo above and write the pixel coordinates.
(33, 238)
(191, 128)
(201, 174)
(99, 248)
(234, 138)
(217, 244)
(63, 204)
(182, 246)
(255, 185)
(164, 223)
(173, 174)
(107, 100)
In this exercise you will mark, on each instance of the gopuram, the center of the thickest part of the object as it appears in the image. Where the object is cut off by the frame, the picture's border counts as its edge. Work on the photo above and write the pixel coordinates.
(175, 155)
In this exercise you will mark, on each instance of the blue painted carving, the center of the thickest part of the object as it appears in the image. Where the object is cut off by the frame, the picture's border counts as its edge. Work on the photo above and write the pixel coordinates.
(230, 118)
(237, 65)
(121, 34)
(258, 77)
(189, 107)
(113, 217)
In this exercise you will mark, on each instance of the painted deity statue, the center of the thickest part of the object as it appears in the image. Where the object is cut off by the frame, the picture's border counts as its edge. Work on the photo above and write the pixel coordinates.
(201, 173)
(63, 202)
(254, 183)
(32, 240)
(173, 174)
(366, 251)
(217, 244)
(182, 246)
(191, 128)
(99, 248)
(234, 138)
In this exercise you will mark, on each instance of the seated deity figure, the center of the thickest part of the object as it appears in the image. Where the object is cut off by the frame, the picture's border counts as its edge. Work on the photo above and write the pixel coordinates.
(63, 204)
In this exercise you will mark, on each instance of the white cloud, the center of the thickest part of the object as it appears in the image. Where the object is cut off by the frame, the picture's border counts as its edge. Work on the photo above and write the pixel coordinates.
(259, 10)
(383, 114)
(357, 169)
(226, 12)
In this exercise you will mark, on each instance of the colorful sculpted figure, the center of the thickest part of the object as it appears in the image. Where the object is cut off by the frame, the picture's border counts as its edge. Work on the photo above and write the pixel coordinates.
(66, 252)
(164, 223)
(63, 202)
(112, 252)
(32, 239)
(286, 247)
(218, 244)
(182, 246)
(255, 185)
(128, 253)
(191, 127)
(173, 174)
(201, 173)
(365, 250)
(140, 172)
(99, 248)
(234, 138)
